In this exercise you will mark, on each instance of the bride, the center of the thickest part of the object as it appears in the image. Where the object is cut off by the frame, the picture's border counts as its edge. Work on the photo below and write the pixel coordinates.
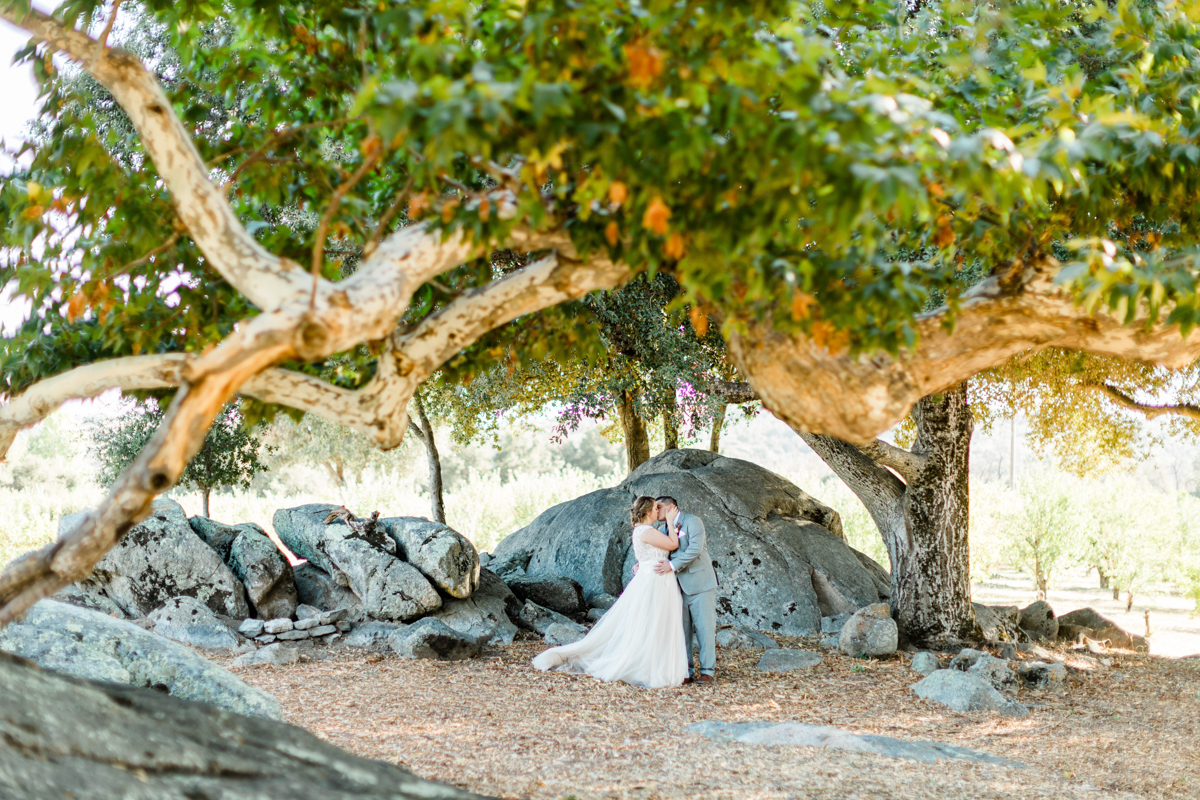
(640, 639)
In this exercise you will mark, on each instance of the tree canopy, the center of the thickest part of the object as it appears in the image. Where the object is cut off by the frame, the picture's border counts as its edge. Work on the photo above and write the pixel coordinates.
(814, 179)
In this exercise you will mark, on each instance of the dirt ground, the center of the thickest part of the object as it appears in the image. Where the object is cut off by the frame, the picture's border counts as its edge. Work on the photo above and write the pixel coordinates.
(1130, 729)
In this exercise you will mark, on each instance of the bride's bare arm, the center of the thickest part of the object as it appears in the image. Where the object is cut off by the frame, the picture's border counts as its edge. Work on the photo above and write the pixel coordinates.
(653, 538)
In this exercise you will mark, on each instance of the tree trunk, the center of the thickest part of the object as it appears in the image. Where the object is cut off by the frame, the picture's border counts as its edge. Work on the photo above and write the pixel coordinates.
(1129, 601)
(714, 442)
(1116, 592)
(438, 506)
(1103, 578)
(670, 430)
(923, 519)
(204, 499)
(637, 440)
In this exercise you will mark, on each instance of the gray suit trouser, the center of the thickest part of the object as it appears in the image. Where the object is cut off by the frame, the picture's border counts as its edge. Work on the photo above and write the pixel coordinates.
(700, 620)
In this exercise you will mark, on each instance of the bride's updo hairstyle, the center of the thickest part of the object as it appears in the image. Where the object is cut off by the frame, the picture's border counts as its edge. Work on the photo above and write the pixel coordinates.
(640, 508)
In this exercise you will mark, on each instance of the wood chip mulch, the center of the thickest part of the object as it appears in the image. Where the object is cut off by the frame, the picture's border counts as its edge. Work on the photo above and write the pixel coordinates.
(498, 727)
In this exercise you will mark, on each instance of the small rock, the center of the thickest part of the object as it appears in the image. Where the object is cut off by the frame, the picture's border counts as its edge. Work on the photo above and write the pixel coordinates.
(288, 636)
(430, 638)
(251, 627)
(925, 663)
(280, 625)
(343, 626)
(333, 617)
(187, 620)
(322, 630)
(305, 611)
(277, 653)
(871, 631)
(305, 623)
(266, 638)
(559, 634)
(965, 659)
(964, 692)
(484, 558)
(788, 660)
(245, 647)
(594, 614)
(331, 638)
(1039, 621)
(832, 642)
(834, 624)
(1048, 677)
(1008, 651)
(742, 638)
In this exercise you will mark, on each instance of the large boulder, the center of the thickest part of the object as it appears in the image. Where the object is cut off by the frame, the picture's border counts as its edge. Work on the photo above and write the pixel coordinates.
(1038, 620)
(490, 585)
(555, 592)
(364, 559)
(481, 617)
(442, 554)
(160, 558)
(92, 645)
(429, 638)
(765, 536)
(962, 691)
(316, 587)
(1094, 626)
(187, 620)
(256, 561)
(66, 737)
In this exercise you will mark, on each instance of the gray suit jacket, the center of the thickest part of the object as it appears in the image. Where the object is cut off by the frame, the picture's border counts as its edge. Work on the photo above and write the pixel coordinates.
(692, 564)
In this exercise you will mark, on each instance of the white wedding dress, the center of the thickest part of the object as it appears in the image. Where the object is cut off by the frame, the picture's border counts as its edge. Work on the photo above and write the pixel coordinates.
(640, 639)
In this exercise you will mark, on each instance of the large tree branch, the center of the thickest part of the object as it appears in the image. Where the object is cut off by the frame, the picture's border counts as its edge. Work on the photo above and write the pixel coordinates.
(1148, 410)
(45, 397)
(228, 248)
(857, 398)
(736, 392)
(880, 491)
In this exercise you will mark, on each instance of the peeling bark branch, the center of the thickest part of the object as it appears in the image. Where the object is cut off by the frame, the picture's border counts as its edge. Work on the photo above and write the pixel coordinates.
(880, 491)
(1149, 411)
(258, 274)
(45, 397)
(857, 398)
(904, 462)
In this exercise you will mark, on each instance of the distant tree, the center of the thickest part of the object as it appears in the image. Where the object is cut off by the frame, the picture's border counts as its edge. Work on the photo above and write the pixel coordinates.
(230, 455)
(1042, 529)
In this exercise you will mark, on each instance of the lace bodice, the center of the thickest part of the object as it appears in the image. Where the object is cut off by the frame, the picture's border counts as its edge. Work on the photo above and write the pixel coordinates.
(647, 552)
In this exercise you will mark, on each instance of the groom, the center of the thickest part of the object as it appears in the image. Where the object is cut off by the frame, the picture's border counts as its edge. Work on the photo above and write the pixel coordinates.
(697, 581)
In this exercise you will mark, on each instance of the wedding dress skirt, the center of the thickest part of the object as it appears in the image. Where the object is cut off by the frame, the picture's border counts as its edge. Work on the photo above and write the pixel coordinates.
(639, 640)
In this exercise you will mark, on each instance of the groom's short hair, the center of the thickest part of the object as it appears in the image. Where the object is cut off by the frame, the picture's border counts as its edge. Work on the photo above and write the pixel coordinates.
(667, 501)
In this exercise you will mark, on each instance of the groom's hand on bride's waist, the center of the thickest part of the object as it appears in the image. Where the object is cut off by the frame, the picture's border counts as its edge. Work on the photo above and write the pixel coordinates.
(663, 568)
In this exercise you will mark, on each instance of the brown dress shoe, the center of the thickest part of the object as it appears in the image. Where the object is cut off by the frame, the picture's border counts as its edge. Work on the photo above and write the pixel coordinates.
(705, 679)
(687, 681)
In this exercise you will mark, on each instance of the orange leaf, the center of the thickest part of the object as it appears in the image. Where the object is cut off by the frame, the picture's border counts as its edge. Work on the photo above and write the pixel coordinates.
(656, 216)
(612, 234)
(448, 209)
(699, 321)
(417, 204)
(617, 192)
(825, 334)
(645, 63)
(74, 307)
(674, 247)
(936, 189)
(801, 302)
(33, 212)
(484, 210)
